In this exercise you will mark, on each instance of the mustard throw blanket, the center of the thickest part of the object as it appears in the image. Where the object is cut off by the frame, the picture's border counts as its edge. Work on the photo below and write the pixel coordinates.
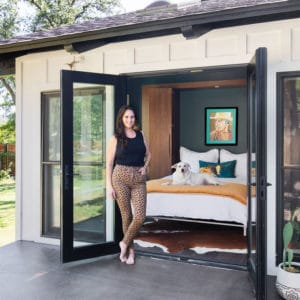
(236, 191)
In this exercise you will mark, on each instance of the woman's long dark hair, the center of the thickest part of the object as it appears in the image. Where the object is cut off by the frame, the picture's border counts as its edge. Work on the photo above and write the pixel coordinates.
(120, 128)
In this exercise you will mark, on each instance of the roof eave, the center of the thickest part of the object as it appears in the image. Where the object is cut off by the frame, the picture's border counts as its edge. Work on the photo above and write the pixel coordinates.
(217, 19)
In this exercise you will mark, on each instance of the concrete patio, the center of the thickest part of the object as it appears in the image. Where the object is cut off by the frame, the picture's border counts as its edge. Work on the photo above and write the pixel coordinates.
(33, 271)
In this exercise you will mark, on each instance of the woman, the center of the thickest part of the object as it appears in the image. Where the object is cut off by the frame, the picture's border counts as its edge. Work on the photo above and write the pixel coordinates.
(127, 159)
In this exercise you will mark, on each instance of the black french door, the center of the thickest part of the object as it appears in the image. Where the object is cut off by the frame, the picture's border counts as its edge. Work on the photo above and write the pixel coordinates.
(257, 181)
(90, 223)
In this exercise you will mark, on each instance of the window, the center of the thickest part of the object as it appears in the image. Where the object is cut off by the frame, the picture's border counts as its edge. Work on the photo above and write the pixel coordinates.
(289, 158)
(51, 164)
(89, 161)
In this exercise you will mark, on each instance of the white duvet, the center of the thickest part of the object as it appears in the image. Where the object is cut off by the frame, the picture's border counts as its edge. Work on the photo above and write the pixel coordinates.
(199, 206)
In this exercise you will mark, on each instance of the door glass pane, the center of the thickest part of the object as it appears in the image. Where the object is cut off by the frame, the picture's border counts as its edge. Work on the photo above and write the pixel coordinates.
(252, 203)
(291, 158)
(92, 212)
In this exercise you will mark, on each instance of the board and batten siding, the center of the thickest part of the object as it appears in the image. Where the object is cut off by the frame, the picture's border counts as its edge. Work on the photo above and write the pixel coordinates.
(40, 72)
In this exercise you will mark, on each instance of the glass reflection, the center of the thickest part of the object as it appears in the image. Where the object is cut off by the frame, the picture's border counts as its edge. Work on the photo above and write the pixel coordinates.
(51, 200)
(90, 207)
(291, 158)
(89, 200)
(51, 107)
(253, 169)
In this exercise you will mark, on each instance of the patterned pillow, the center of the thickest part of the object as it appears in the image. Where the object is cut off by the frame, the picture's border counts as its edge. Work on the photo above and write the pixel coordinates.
(208, 167)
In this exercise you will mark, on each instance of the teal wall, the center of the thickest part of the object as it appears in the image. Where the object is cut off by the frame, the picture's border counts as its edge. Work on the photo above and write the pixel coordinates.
(194, 101)
(192, 116)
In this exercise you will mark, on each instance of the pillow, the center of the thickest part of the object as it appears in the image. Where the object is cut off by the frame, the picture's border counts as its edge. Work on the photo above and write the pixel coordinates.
(208, 167)
(241, 162)
(192, 157)
(227, 169)
(222, 170)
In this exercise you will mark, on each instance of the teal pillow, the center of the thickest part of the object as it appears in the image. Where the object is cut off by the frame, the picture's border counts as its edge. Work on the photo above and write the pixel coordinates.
(227, 169)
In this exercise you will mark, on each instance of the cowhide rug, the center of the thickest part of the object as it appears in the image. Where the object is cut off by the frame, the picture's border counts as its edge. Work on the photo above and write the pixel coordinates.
(175, 236)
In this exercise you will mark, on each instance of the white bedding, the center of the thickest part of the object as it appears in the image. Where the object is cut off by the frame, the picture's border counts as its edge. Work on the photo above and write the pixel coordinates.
(199, 206)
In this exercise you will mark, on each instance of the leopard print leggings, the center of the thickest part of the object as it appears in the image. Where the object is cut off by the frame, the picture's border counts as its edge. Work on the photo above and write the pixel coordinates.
(130, 188)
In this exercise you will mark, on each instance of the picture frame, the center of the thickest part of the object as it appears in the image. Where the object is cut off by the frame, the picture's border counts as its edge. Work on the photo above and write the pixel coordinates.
(221, 125)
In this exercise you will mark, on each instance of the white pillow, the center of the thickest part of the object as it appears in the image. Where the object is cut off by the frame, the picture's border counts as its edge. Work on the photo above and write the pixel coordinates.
(192, 157)
(241, 162)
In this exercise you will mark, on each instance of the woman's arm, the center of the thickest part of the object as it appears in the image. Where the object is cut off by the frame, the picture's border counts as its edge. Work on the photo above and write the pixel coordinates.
(110, 158)
(147, 155)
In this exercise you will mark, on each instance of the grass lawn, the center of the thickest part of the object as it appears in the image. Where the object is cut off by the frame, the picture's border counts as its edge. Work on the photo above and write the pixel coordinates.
(7, 211)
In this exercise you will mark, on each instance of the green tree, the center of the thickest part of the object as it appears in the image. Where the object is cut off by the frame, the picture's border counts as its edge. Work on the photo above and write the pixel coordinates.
(9, 25)
(54, 13)
(47, 14)
(8, 21)
(7, 132)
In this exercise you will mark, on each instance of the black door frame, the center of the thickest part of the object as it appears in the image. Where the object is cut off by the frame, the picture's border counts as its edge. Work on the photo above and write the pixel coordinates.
(68, 251)
(257, 268)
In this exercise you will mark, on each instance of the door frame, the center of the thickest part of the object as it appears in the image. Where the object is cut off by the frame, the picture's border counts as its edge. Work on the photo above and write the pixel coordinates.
(257, 268)
(262, 138)
(68, 251)
(119, 101)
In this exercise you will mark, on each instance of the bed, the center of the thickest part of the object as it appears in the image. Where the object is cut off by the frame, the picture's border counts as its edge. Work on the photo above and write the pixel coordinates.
(199, 203)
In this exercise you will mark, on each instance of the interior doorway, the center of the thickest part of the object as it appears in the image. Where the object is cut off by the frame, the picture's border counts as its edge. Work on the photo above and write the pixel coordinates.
(172, 110)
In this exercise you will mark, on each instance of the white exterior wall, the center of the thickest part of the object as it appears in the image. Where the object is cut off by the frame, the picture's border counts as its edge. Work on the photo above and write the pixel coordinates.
(39, 72)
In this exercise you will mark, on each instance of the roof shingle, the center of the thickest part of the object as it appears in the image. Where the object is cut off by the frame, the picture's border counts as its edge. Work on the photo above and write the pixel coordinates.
(140, 17)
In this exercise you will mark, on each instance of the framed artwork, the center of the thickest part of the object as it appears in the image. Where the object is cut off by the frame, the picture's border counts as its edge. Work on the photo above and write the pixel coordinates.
(221, 125)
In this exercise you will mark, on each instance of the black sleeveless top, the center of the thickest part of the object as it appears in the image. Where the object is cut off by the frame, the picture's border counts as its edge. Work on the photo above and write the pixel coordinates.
(133, 154)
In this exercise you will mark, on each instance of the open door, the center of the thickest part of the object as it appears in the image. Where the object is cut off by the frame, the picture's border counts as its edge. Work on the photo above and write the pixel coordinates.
(160, 115)
(257, 83)
(90, 223)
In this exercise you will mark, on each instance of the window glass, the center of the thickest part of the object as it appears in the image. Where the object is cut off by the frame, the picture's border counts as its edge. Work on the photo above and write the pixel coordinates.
(291, 158)
(89, 163)
(51, 107)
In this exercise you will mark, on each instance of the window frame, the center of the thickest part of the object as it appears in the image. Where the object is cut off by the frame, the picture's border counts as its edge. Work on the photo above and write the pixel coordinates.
(46, 230)
(280, 77)
(46, 162)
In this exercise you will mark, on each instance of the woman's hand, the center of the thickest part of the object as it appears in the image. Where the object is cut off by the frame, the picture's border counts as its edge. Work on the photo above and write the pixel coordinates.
(142, 170)
(111, 193)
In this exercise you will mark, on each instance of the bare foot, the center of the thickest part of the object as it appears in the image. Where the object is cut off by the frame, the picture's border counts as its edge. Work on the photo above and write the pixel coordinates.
(130, 259)
(123, 248)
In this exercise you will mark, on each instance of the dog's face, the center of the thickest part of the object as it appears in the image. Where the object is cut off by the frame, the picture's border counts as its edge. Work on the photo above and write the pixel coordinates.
(182, 168)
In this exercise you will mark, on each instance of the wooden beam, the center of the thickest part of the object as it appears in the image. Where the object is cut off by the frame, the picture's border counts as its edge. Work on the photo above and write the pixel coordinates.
(203, 84)
(192, 32)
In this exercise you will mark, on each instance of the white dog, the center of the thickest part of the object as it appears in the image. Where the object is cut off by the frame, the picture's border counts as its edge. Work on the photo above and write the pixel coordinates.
(184, 175)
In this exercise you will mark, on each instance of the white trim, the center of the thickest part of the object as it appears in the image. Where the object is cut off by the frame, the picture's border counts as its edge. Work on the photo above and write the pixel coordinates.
(19, 160)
